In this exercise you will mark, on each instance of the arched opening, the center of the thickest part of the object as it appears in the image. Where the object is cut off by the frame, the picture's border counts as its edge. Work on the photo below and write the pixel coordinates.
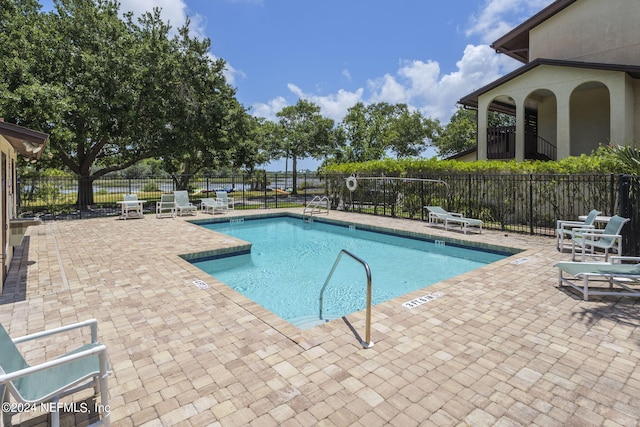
(501, 128)
(590, 117)
(541, 125)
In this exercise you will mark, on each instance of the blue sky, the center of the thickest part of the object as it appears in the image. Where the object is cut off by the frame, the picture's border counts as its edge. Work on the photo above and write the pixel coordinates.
(335, 53)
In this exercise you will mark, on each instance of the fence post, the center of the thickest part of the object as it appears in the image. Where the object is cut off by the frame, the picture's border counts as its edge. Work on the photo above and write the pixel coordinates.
(244, 186)
(625, 211)
(471, 211)
(264, 173)
(422, 201)
(275, 190)
(305, 189)
(612, 193)
(531, 204)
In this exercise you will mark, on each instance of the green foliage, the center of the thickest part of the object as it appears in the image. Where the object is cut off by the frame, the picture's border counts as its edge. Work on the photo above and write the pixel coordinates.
(112, 92)
(303, 132)
(627, 157)
(370, 131)
(458, 135)
(595, 163)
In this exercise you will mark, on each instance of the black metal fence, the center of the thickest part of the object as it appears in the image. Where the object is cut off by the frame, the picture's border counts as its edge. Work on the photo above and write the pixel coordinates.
(519, 203)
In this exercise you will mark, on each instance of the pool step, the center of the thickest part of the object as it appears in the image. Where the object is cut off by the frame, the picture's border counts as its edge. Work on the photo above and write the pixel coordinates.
(308, 322)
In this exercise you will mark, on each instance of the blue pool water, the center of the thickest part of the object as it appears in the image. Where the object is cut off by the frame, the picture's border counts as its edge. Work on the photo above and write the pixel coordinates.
(291, 259)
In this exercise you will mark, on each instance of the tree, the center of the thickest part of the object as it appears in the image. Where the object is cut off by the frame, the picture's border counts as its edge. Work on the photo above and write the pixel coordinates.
(110, 92)
(373, 131)
(303, 132)
(459, 134)
(365, 129)
(410, 131)
(205, 119)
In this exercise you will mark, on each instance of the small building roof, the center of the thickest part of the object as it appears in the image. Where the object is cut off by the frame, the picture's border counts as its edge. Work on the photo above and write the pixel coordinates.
(462, 154)
(28, 142)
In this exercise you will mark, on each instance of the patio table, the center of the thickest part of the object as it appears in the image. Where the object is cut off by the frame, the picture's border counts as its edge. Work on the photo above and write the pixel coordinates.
(127, 213)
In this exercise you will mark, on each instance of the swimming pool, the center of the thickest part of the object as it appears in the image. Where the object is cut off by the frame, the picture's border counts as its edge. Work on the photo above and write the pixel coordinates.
(290, 260)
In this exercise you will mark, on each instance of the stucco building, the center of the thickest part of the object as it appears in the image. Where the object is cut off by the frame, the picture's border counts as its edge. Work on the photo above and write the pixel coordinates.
(579, 86)
(14, 140)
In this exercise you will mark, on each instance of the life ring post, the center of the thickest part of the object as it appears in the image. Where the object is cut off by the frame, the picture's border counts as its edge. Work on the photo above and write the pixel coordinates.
(352, 183)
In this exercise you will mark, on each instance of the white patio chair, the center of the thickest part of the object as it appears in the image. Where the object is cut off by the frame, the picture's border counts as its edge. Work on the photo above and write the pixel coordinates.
(183, 205)
(84, 367)
(166, 206)
(224, 199)
(586, 241)
(211, 205)
(564, 228)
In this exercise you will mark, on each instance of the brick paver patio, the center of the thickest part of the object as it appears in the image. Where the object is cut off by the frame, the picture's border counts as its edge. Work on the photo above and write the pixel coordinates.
(503, 346)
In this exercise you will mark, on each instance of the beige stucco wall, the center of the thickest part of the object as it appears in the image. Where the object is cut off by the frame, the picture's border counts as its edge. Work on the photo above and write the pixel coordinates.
(6, 148)
(547, 114)
(469, 157)
(635, 111)
(562, 82)
(590, 31)
(590, 119)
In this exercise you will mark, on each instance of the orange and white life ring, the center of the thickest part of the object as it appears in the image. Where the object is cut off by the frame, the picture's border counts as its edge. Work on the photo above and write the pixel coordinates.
(352, 183)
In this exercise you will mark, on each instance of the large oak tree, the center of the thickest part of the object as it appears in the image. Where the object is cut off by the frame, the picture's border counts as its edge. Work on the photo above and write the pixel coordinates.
(111, 91)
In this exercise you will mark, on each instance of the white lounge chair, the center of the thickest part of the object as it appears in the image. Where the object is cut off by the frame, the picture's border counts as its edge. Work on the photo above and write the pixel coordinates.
(621, 279)
(183, 205)
(586, 240)
(438, 216)
(225, 200)
(212, 205)
(85, 367)
(564, 228)
(166, 206)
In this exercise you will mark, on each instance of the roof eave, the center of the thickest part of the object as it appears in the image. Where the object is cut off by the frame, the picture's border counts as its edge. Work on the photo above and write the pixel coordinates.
(520, 34)
(471, 100)
(27, 142)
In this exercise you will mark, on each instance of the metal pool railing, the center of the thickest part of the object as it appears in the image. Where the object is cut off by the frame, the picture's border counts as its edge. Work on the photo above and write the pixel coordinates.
(367, 343)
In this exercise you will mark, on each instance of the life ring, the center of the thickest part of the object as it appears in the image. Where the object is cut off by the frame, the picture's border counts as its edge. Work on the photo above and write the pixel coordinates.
(352, 183)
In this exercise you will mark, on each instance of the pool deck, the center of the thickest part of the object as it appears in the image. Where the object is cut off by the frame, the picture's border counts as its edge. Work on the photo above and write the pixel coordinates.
(502, 346)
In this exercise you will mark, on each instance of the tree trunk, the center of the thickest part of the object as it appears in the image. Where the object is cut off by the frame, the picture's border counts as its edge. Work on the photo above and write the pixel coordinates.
(294, 174)
(85, 192)
(181, 182)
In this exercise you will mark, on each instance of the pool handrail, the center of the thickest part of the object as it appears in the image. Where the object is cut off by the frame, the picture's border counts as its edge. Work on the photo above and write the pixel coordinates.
(367, 343)
(315, 205)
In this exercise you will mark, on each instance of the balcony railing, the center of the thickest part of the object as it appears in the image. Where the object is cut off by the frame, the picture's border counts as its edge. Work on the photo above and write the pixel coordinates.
(501, 142)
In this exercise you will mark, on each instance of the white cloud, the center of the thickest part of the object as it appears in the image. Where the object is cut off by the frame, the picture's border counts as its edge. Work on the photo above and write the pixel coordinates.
(417, 83)
(420, 84)
(173, 11)
(498, 17)
(333, 106)
(270, 109)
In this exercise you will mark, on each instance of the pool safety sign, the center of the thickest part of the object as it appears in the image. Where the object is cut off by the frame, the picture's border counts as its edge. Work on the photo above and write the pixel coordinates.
(419, 301)
(201, 284)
